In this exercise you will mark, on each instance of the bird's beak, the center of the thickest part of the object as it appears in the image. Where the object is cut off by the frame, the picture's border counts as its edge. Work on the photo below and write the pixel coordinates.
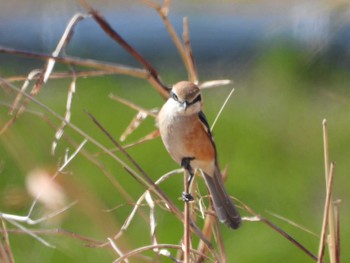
(185, 105)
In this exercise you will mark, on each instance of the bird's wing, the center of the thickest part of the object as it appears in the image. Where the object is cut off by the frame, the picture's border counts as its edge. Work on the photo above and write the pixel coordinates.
(205, 123)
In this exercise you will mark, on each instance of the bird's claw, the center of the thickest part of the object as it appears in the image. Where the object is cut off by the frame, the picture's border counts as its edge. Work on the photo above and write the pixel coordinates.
(187, 197)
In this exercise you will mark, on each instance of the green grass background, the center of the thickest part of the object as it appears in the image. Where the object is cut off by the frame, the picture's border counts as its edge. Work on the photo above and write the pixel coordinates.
(269, 136)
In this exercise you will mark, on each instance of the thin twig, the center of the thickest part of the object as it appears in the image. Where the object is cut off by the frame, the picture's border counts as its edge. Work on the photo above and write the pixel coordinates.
(220, 242)
(267, 222)
(207, 231)
(337, 220)
(62, 167)
(90, 63)
(45, 73)
(65, 74)
(214, 83)
(32, 75)
(140, 200)
(62, 232)
(292, 223)
(29, 232)
(222, 108)
(192, 72)
(151, 136)
(132, 105)
(326, 214)
(163, 13)
(116, 249)
(331, 224)
(66, 37)
(187, 212)
(159, 246)
(26, 219)
(106, 27)
(67, 115)
(7, 248)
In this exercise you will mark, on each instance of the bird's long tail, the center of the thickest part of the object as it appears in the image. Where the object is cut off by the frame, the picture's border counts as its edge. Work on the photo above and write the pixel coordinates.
(224, 207)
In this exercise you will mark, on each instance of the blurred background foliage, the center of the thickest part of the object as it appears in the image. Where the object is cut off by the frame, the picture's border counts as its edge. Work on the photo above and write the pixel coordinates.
(290, 69)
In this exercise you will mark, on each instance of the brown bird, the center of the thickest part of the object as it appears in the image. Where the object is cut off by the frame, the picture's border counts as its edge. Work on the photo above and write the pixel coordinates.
(187, 137)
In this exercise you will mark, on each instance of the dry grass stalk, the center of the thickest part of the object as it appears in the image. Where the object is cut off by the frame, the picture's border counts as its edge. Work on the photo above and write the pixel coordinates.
(337, 220)
(329, 220)
(326, 216)
(192, 72)
(187, 215)
(140, 250)
(45, 73)
(153, 77)
(65, 75)
(67, 115)
(292, 223)
(149, 73)
(163, 13)
(89, 63)
(258, 218)
(222, 108)
(6, 255)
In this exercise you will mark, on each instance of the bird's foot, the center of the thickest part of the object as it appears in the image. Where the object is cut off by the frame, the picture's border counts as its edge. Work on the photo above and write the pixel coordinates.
(187, 197)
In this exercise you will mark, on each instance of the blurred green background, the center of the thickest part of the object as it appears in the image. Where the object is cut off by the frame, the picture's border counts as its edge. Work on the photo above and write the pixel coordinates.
(290, 70)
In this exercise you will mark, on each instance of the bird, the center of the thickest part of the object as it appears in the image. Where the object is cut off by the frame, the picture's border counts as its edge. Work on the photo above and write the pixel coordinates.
(187, 137)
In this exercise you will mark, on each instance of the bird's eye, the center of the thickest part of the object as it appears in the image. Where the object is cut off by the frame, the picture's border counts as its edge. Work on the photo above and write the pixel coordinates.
(174, 96)
(198, 98)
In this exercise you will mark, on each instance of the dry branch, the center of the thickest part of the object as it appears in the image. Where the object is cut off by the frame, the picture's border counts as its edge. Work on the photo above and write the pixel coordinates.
(154, 78)
(90, 63)
(326, 218)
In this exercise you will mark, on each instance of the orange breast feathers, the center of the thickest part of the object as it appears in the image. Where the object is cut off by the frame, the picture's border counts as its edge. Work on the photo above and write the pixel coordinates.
(199, 143)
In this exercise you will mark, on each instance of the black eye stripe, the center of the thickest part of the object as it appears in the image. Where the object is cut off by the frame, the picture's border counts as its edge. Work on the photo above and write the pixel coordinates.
(174, 96)
(198, 98)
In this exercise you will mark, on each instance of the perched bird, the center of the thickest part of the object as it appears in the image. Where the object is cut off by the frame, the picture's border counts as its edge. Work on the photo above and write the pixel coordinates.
(186, 135)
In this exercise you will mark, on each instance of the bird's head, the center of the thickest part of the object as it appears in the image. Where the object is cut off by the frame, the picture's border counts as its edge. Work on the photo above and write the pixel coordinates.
(188, 96)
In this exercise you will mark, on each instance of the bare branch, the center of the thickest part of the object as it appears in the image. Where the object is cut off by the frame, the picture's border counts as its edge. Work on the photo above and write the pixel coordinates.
(131, 105)
(292, 223)
(116, 249)
(214, 83)
(67, 116)
(32, 75)
(105, 26)
(187, 211)
(326, 216)
(63, 75)
(108, 67)
(163, 13)
(256, 217)
(5, 252)
(29, 232)
(331, 223)
(159, 246)
(222, 108)
(192, 72)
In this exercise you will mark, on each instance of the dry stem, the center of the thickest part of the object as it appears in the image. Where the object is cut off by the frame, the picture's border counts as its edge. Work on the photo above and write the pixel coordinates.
(187, 220)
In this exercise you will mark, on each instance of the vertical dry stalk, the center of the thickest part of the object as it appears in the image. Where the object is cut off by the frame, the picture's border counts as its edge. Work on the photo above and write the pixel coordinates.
(187, 212)
(207, 231)
(326, 216)
(193, 76)
(153, 76)
(5, 250)
(331, 223)
(337, 220)
(184, 54)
